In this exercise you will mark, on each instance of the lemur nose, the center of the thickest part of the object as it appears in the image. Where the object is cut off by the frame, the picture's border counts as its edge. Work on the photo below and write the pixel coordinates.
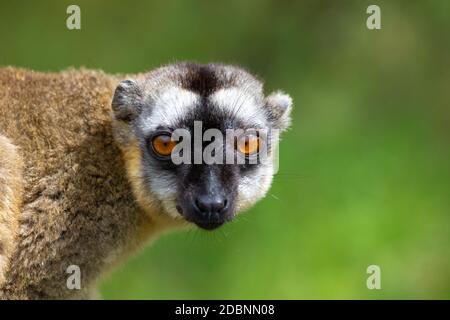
(211, 204)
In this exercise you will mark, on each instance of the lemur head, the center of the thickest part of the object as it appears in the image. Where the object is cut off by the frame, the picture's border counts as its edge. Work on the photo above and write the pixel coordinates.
(193, 99)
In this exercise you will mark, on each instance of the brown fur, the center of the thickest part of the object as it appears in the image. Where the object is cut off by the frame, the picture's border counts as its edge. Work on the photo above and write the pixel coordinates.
(10, 200)
(77, 206)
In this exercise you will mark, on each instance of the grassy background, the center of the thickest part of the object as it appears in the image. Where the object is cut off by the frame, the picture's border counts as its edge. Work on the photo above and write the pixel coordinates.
(364, 173)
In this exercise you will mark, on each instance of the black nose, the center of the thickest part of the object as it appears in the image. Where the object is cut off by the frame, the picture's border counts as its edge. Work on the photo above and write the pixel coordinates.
(212, 205)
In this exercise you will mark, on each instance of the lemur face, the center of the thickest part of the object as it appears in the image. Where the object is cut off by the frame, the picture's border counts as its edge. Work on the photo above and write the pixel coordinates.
(220, 111)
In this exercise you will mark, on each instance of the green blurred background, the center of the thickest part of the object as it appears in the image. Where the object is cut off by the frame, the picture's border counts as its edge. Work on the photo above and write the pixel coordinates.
(364, 172)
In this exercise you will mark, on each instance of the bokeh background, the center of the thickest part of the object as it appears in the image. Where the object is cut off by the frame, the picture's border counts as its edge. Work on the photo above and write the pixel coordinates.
(364, 172)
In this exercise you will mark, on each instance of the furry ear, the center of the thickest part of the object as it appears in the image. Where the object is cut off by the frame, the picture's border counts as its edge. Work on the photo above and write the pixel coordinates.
(127, 100)
(279, 105)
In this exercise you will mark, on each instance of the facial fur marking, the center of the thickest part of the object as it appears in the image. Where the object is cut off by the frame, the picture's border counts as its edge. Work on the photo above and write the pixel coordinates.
(237, 102)
(173, 104)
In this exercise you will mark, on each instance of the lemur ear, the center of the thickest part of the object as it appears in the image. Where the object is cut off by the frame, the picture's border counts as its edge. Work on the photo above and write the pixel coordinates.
(127, 100)
(279, 105)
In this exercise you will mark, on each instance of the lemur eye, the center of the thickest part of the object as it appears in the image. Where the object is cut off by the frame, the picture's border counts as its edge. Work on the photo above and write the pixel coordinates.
(248, 144)
(163, 145)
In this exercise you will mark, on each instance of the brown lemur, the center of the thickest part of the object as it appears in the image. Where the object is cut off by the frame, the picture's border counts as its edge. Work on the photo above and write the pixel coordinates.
(84, 174)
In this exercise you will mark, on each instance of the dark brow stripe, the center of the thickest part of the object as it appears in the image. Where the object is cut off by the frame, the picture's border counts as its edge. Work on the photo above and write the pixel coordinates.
(201, 79)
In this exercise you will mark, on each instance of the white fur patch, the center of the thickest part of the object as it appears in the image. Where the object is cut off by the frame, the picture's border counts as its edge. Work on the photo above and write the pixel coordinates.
(173, 104)
(253, 188)
(164, 186)
(241, 104)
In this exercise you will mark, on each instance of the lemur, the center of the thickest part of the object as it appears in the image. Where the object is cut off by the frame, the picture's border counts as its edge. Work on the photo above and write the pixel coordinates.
(84, 174)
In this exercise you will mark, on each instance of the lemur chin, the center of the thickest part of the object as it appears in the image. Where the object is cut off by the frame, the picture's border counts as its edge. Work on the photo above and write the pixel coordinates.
(91, 173)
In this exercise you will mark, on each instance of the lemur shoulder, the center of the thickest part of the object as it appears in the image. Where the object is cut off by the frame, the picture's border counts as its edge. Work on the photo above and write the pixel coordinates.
(79, 183)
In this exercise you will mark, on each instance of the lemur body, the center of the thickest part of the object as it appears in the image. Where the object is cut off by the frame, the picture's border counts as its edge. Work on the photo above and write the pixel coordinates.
(78, 185)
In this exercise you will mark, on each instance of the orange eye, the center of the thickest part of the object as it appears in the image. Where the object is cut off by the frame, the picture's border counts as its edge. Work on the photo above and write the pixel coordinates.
(248, 144)
(163, 145)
